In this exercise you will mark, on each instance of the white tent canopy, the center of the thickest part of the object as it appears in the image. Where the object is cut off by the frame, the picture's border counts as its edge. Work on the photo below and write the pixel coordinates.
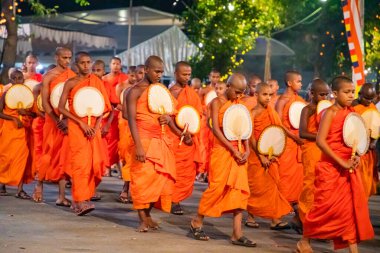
(172, 46)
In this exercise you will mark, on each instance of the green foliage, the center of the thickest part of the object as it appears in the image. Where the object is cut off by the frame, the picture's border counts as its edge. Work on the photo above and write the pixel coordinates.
(372, 34)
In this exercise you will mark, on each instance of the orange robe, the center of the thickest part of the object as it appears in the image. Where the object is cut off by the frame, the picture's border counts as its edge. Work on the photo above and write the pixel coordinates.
(291, 171)
(112, 138)
(273, 101)
(265, 199)
(250, 102)
(228, 188)
(340, 209)
(55, 147)
(125, 143)
(368, 161)
(186, 157)
(87, 156)
(153, 180)
(311, 154)
(15, 156)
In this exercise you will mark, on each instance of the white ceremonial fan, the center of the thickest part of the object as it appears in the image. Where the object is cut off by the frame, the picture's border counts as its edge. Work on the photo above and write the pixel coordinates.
(160, 100)
(39, 103)
(355, 134)
(31, 83)
(237, 123)
(210, 96)
(189, 120)
(272, 141)
(56, 94)
(295, 113)
(19, 96)
(322, 105)
(87, 102)
(372, 122)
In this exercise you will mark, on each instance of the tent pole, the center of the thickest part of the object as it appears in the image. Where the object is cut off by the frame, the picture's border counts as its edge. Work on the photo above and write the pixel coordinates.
(129, 30)
(268, 53)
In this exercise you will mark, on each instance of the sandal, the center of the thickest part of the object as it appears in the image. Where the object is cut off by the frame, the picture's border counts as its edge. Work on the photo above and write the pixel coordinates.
(198, 233)
(4, 193)
(252, 224)
(123, 199)
(84, 209)
(244, 241)
(280, 226)
(22, 195)
(176, 209)
(96, 197)
(65, 203)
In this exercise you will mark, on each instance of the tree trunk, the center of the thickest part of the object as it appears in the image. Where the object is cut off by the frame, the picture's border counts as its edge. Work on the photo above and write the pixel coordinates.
(8, 56)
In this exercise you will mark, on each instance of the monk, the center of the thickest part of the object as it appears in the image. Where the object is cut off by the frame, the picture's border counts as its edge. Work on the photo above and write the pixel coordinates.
(187, 156)
(368, 162)
(196, 84)
(274, 85)
(291, 171)
(250, 100)
(311, 154)
(85, 143)
(98, 68)
(152, 160)
(265, 200)
(340, 210)
(110, 129)
(31, 62)
(15, 153)
(54, 147)
(140, 72)
(228, 190)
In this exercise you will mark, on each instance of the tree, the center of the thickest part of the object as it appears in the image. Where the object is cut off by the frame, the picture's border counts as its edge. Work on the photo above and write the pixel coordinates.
(9, 10)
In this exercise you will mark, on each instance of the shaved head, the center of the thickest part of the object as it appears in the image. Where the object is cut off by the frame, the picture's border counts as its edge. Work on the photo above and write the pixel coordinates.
(60, 50)
(261, 86)
(153, 60)
(196, 83)
(317, 84)
(367, 88)
(237, 81)
(337, 82)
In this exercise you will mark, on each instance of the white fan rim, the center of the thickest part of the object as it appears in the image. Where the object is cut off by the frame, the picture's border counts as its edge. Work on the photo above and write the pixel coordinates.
(357, 115)
(75, 98)
(14, 86)
(259, 141)
(150, 88)
(291, 119)
(224, 123)
(177, 118)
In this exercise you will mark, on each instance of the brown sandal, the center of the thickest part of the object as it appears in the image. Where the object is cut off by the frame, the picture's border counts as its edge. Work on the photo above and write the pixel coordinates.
(22, 195)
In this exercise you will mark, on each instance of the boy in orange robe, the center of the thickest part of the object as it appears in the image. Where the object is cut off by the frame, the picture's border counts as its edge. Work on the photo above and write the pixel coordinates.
(340, 210)
(85, 142)
(15, 153)
(31, 62)
(311, 154)
(110, 129)
(265, 199)
(152, 160)
(228, 190)
(291, 169)
(274, 85)
(54, 147)
(187, 156)
(368, 162)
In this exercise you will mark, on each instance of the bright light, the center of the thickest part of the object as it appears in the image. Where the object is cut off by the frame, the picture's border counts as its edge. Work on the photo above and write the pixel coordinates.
(123, 13)
(200, 44)
(220, 40)
(231, 7)
(39, 67)
(323, 0)
(365, 72)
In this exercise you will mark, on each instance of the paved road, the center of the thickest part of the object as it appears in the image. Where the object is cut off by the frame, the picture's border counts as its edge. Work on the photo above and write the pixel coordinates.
(37, 228)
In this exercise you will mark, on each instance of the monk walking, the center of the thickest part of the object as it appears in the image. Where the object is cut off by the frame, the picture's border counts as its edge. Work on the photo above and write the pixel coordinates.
(31, 62)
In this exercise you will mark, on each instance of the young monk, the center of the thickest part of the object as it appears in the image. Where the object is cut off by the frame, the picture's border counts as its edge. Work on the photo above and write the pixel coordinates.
(228, 190)
(274, 85)
(54, 147)
(340, 210)
(152, 160)
(368, 162)
(265, 200)
(187, 156)
(31, 62)
(85, 144)
(110, 130)
(250, 100)
(15, 156)
(196, 84)
(98, 68)
(291, 171)
(311, 154)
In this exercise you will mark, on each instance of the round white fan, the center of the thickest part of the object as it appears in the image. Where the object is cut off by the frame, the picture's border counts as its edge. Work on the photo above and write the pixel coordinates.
(56, 94)
(355, 134)
(189, 117)
(372, 121)
(322, 105)
(87, 102)
(31, 83)
(39, 103)
(237, 123)
(19, 96)
(295, 110)
(210, 96)
(272, 141)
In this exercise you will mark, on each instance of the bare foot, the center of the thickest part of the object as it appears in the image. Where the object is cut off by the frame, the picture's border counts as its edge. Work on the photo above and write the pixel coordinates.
(143, 228)
(152, 224)
(37, 194)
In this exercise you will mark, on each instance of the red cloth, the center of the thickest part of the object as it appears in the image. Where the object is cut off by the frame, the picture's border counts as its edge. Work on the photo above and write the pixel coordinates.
(340, 209)
(110, 83)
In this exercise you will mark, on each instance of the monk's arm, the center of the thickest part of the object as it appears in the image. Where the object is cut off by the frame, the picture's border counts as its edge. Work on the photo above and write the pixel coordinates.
(124, 111)
(45, 98)
(303, 131)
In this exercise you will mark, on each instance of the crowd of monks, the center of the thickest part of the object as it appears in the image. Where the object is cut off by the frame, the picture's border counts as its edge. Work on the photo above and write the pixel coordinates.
(311, 178)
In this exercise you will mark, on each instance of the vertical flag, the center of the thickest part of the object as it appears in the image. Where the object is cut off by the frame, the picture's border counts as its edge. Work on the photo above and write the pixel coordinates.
(352, 21)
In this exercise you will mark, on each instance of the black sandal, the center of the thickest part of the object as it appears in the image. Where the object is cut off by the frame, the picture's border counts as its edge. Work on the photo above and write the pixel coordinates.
(176, 209)
(198, 233)
(22, 195)
(280, 226)
(244, 241)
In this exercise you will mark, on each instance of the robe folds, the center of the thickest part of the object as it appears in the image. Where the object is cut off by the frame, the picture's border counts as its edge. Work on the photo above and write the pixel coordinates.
(87, 156)
(291, 171)
(55, 144)
(186, 157)
(340, 209)
(311, 154)
(153, 180)
(125, 143)
(368, 161)
(228, 188)
(265, 199)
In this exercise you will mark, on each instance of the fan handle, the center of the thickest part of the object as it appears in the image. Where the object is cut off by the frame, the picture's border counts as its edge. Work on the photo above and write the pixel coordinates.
(354, 148)
(239, 145)
(20, 105)
(270, 152)
(162, 112)
(183, 133)
(89, 114)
